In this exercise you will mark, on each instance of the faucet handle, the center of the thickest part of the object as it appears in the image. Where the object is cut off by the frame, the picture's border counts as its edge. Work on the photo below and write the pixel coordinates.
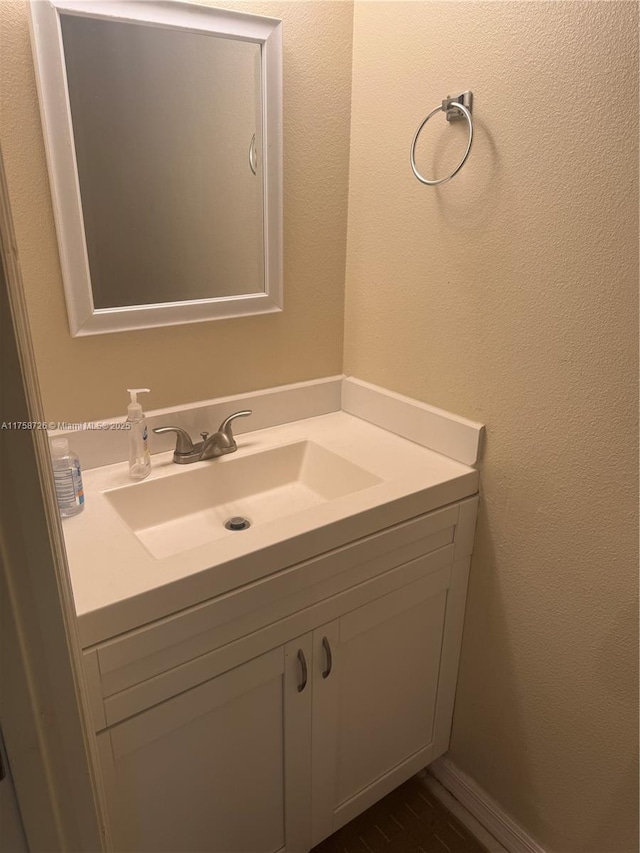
(225, 426)
(183, 439)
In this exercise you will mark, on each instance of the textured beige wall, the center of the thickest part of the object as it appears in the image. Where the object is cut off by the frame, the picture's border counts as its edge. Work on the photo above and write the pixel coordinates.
(510, 296)
(85, 378)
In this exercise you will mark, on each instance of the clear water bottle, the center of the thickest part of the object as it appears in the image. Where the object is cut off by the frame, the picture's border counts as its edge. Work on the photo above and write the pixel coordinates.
(67, 478)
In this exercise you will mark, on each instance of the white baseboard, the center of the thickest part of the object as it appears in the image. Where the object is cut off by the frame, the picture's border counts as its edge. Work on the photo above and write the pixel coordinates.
(431, 784)
(483, 808)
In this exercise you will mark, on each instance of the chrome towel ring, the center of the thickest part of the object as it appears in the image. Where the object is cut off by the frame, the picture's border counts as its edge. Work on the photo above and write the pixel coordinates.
(457, 107)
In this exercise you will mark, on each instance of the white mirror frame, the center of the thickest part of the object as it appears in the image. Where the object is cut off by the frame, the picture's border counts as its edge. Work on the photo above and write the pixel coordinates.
(46, 38)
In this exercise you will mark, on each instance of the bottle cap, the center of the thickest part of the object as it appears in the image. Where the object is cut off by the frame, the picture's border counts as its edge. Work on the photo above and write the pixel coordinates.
(134, 408)
(59, 447)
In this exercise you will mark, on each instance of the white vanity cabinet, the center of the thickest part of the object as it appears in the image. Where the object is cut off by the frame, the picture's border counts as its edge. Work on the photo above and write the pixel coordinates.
(211, 769)
(265, 719)
(374, 699)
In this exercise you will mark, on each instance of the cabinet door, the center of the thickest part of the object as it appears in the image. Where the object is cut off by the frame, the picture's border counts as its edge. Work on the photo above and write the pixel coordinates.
(222, 768)
(374, 698)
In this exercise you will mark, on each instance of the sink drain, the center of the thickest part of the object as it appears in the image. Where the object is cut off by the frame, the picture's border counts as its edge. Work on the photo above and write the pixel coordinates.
(237, 523)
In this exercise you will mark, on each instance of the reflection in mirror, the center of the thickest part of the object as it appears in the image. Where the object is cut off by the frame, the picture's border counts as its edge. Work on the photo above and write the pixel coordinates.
(163, 124)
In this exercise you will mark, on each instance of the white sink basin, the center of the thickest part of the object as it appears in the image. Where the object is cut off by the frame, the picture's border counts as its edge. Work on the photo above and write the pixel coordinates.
(174, 514)
(141, 551)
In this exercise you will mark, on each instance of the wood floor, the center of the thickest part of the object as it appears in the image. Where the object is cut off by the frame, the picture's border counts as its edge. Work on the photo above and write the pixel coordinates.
(408, 820)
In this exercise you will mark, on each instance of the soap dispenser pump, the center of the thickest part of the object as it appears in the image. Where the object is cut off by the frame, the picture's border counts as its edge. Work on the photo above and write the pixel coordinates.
(139, 458)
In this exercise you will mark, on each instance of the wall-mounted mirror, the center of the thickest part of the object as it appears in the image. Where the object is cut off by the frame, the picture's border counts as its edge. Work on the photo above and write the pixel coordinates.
(163, 130)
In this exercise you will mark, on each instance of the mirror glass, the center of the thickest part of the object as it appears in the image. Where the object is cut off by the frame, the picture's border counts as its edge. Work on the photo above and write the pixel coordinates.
(163, 124)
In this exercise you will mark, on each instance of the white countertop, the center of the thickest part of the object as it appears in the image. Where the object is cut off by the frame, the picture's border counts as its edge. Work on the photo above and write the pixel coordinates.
(118, 585)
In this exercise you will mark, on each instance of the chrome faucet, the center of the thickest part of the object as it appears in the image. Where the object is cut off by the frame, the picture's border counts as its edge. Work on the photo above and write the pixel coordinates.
(211, 446)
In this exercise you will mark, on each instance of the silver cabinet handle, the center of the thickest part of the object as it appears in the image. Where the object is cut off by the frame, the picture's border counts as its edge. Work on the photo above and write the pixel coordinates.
(253, 157)
(303, 667)
(327, 650)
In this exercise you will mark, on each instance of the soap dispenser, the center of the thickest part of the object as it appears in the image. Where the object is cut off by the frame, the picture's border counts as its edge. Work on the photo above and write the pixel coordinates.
(139, 458)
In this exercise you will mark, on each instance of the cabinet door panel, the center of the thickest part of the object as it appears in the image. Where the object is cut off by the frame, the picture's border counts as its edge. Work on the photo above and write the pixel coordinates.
(205, 771)
(375, 711)
(389, 677)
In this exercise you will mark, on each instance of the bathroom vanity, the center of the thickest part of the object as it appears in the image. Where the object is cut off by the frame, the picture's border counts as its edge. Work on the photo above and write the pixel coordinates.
(251, 690)
(255, 690)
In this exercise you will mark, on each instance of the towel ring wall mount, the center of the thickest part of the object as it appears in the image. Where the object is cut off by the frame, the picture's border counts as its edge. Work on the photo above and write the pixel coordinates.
(457, 108)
